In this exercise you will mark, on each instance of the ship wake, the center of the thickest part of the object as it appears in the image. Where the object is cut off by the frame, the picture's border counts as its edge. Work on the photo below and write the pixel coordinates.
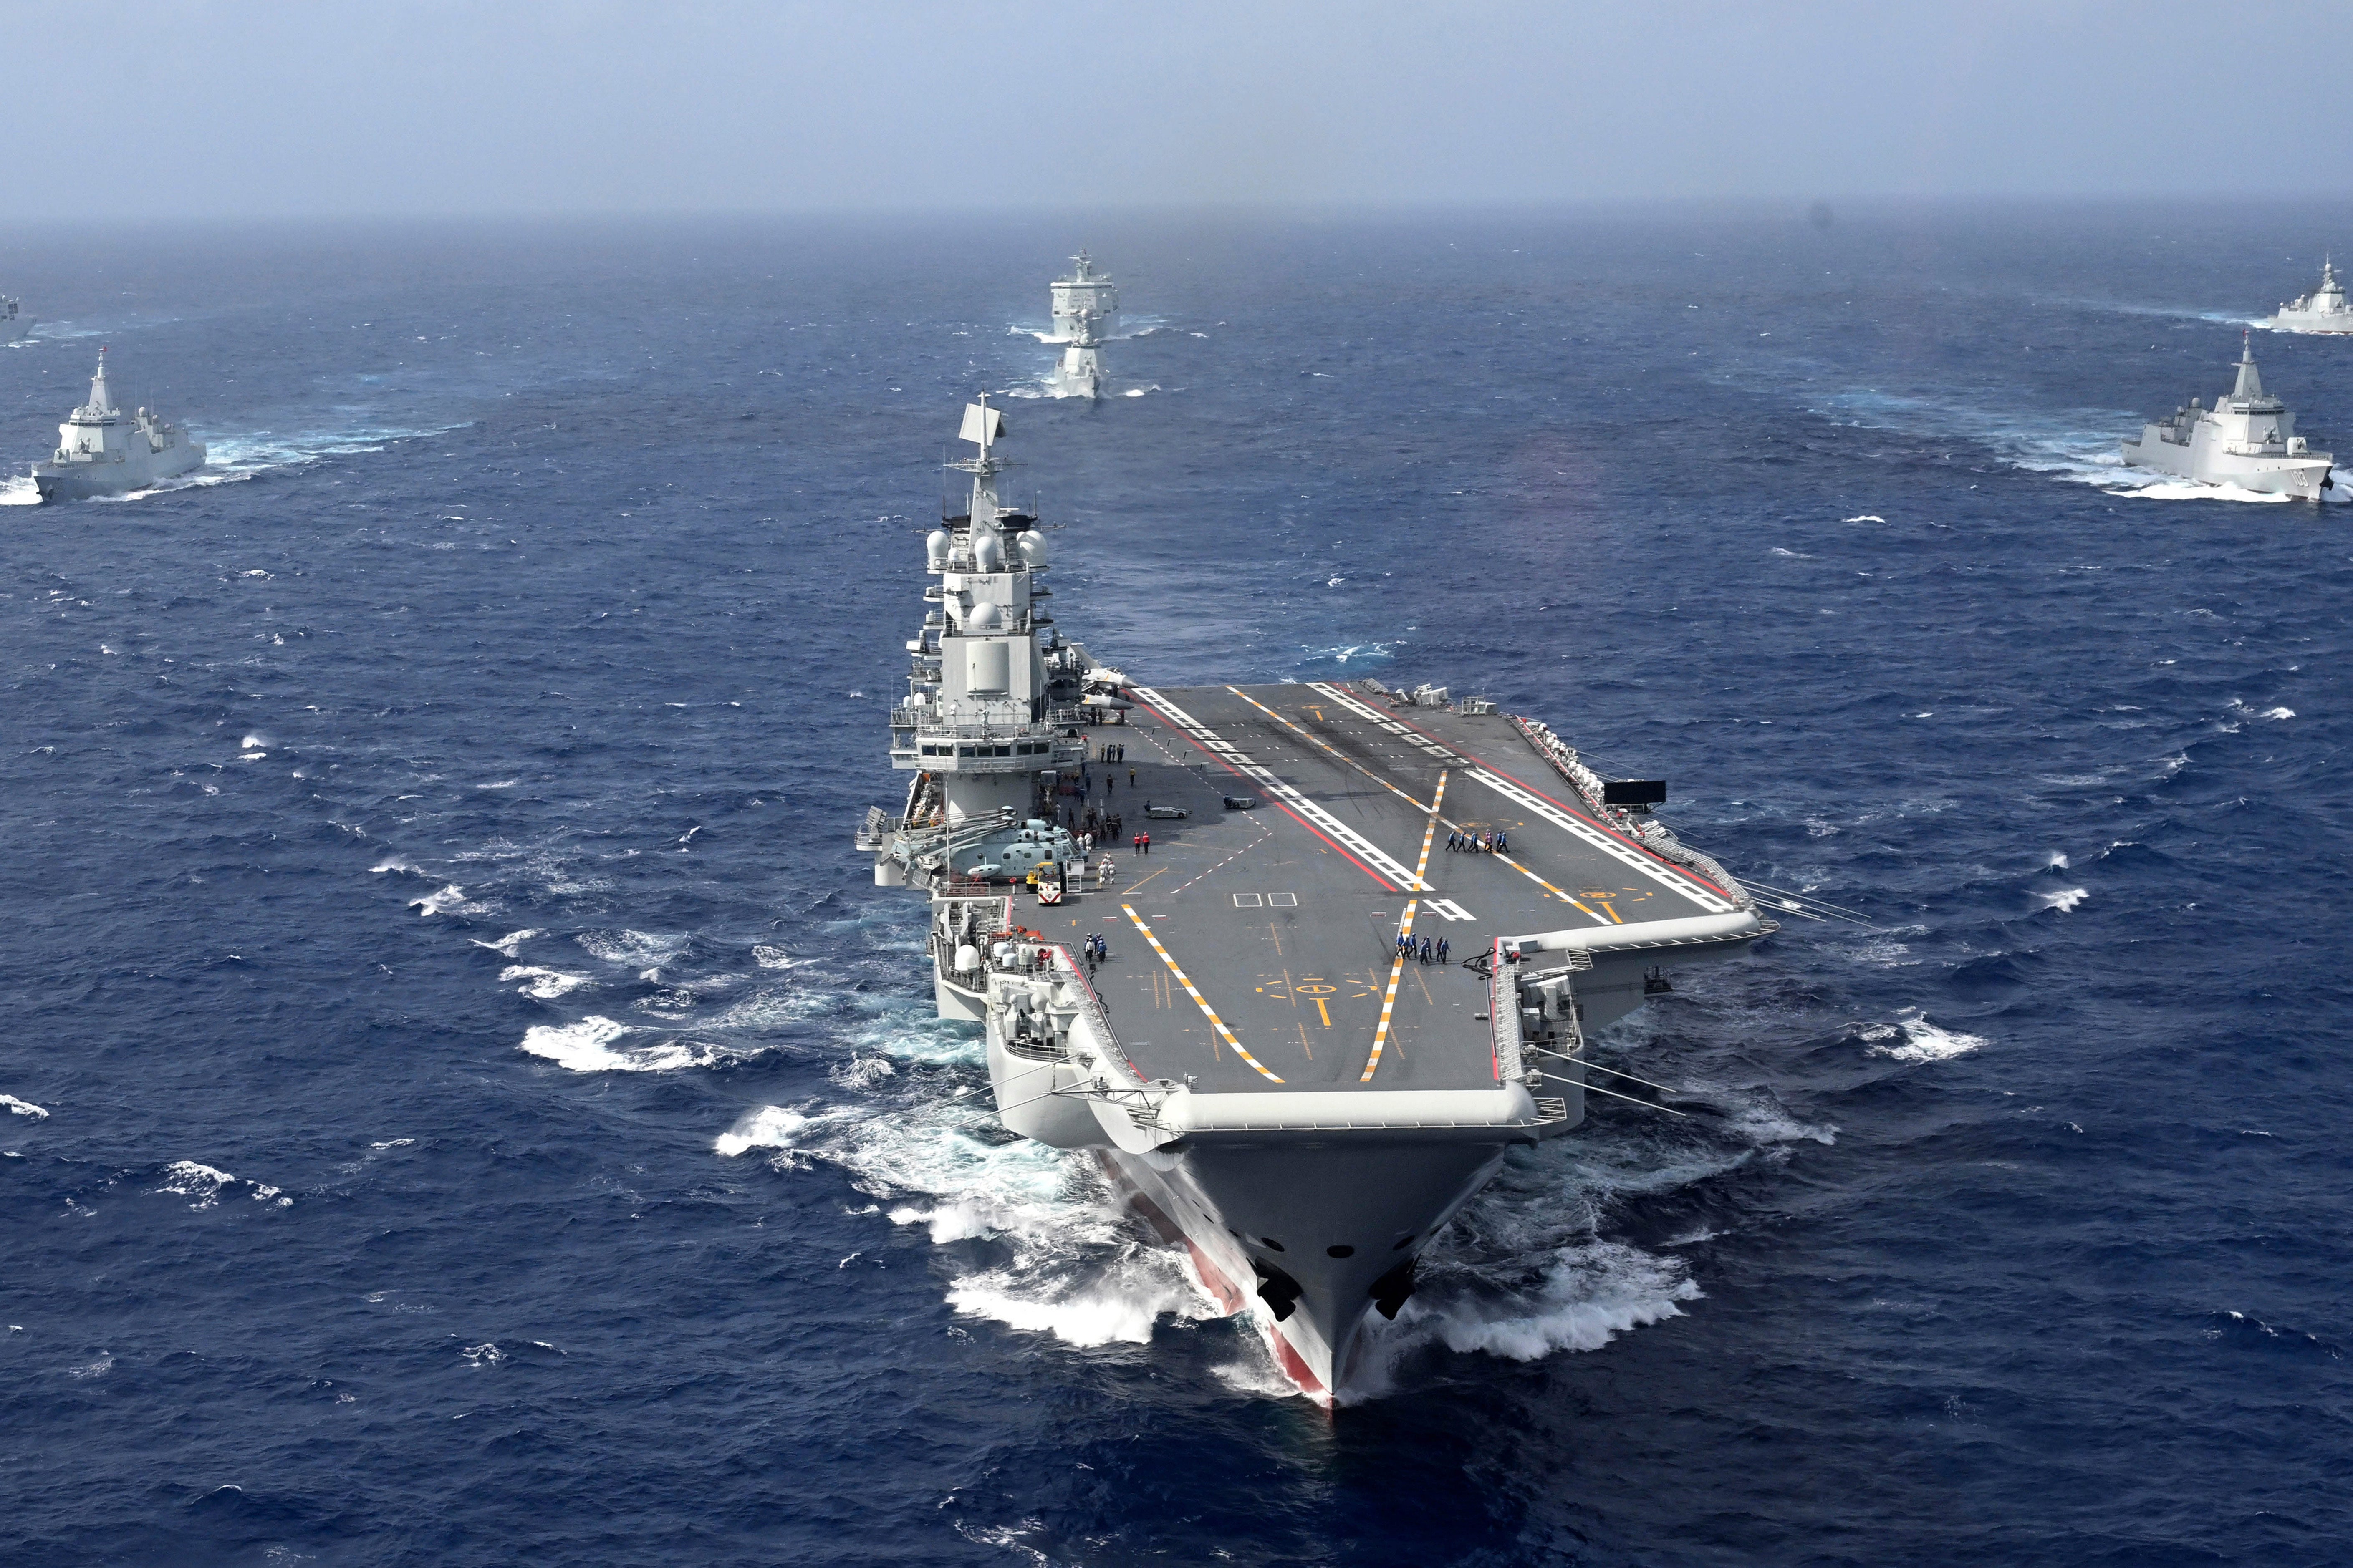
(1029, 1235)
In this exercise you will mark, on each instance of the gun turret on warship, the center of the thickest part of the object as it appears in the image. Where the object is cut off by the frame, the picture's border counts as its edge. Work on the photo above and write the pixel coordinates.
(1086, 313)
(2248, 439)
(1300, 963)
(2322, 311)
(103, 452)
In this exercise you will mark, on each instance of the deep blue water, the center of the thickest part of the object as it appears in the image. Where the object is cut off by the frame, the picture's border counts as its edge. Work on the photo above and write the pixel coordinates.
(469, 1106)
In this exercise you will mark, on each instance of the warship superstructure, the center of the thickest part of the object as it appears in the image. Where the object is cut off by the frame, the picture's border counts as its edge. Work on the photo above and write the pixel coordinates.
(2322, 311)
(14, 322)
(2247, 440)
(1086, 313)
(101, 451)
(1300, 963)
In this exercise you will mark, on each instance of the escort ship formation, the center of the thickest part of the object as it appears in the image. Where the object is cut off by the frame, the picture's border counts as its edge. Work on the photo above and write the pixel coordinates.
(1266, 1067)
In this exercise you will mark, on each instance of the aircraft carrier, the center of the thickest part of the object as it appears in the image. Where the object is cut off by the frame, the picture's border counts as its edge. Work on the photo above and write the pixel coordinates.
(1273, 1067)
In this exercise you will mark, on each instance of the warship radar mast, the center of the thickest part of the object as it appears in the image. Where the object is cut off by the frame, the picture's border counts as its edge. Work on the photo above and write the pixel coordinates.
(1086, 313)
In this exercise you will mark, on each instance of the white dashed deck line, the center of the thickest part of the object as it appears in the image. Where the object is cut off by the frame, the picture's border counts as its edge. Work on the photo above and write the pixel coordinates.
(1381, 862)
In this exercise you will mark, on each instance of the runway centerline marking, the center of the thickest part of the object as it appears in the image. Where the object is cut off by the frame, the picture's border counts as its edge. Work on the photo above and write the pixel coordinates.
(1199, 1000)
(1396, 968)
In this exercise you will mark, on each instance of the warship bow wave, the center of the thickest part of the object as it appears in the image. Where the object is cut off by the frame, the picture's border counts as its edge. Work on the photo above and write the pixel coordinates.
(2322, 311)
(103, 452)
(1258, 1050)
(2247, 440)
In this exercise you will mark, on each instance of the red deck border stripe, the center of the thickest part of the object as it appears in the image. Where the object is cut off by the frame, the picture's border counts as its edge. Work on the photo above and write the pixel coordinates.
(1581, 817)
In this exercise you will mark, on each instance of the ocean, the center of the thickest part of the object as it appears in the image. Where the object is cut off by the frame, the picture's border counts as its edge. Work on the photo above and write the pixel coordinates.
(466, 1103)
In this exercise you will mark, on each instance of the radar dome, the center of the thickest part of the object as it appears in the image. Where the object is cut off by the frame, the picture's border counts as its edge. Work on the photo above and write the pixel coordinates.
(935, 548)
(1032, 546)
(987, 550)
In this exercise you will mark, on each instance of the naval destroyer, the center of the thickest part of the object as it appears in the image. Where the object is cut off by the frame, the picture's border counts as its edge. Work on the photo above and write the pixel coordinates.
(1299, 964)
(2322, 311)
(1086, 313)
(14, 322)
(101, 451)
(2247, 440)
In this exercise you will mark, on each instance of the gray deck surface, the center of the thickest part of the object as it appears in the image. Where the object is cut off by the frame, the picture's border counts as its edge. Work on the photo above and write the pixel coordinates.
(1285, 921)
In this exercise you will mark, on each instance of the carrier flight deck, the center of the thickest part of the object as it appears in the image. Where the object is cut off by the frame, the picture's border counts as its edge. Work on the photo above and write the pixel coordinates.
(1258, 947)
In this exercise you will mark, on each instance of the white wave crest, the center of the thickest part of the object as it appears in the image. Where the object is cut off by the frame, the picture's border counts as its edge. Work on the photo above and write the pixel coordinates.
(1913, 1038)
(1866, 517)
(542, 985)
(507, 945)
(206, 1184)
(451, 898)
(589, 1046)
(2065, 900)
(636, 949)
(23, 1107)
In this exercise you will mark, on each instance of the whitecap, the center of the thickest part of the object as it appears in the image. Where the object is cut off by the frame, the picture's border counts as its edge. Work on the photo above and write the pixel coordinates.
(23, 1107)
(1867, 517)
(1913, 1038)
(637, 949)
(589, 1046)
(190, 1180)
(391, 863)
(451, 897)
(508, 944)
(543, 984)
(776, 958)
(2065, 900)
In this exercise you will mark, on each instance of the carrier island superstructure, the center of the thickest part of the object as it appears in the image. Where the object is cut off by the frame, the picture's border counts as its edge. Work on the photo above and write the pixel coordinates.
(1264, 1073)
(1086, 313)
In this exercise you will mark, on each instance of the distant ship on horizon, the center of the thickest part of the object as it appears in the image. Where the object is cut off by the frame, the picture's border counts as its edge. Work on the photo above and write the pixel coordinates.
(102, 452)
(14, 322)
(2322, 311)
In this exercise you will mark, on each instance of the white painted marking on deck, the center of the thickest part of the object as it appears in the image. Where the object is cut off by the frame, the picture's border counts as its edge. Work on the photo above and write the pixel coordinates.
(1340, 832)
(1608, 843)
(1199, 1000)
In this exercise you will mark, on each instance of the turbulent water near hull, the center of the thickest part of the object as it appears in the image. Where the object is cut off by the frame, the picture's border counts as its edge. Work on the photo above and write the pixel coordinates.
(466, 1103)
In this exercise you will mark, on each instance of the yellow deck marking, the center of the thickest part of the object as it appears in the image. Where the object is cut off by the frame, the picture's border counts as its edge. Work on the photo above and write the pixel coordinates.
(1447, 823)
(1397, 967)
(1597, 919)
(1613, 914)
(1303, 1045)
(1322, 1012)
(1200, 1001)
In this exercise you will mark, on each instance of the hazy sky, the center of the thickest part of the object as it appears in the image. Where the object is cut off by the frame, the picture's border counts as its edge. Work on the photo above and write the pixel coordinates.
(255, 108)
